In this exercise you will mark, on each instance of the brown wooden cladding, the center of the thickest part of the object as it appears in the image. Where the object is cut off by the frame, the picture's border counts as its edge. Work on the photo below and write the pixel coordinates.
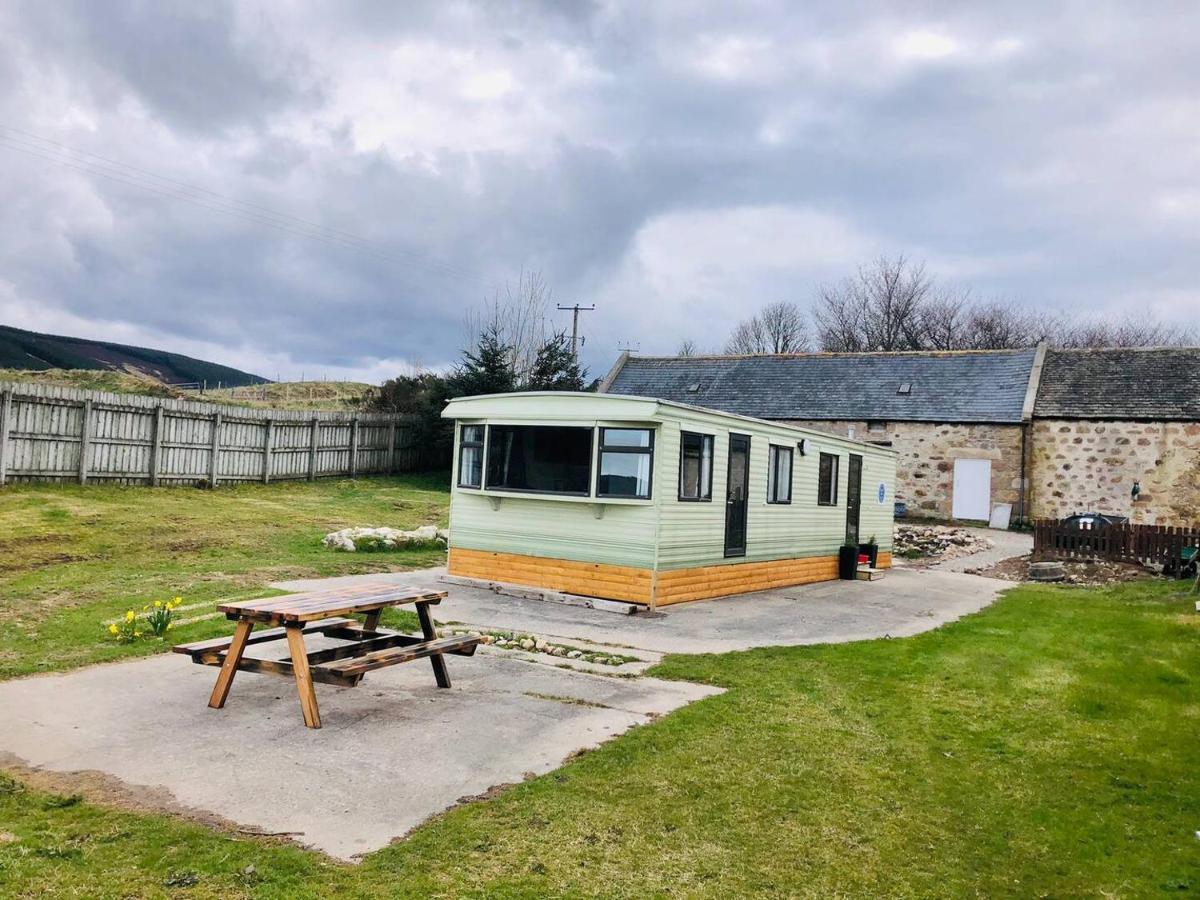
(571, 576)
(635, 585)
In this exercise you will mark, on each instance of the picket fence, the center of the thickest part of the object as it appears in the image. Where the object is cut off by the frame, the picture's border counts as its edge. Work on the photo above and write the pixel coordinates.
(1120, 543)
(50, 433)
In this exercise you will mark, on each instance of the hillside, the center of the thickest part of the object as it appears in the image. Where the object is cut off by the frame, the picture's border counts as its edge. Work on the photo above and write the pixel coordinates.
(326, 395)
(95, 380)
(31, 350)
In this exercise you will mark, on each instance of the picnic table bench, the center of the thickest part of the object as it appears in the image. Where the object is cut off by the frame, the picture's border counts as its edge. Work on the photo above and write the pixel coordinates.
(367, 646)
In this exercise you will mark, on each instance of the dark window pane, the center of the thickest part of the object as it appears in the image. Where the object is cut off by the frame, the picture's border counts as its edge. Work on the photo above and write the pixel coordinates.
(695, 466)
(470, 466)
(624, 475)
(779, 475)
(472, 434)
(827, 479)
(540, 458)
(626, 437)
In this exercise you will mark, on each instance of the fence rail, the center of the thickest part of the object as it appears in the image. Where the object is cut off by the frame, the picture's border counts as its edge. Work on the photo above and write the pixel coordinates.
(1121, 543)
(52, 433)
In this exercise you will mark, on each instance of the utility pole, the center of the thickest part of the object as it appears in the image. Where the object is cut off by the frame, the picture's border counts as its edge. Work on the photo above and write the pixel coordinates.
(575, 311)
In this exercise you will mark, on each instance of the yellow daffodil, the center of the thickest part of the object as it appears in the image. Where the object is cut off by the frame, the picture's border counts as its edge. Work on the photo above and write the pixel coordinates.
(158, 604)
(113, 629)
(129, 616)
(170, 625)
(137, 634)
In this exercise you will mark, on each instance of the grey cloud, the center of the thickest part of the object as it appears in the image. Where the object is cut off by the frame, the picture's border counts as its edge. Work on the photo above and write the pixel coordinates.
(1011, 152)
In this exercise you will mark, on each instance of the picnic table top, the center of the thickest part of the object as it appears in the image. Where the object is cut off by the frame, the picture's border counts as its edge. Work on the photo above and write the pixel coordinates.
(311, 605)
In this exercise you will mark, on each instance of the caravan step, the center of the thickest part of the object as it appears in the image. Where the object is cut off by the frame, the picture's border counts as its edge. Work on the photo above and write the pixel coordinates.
(866, 573)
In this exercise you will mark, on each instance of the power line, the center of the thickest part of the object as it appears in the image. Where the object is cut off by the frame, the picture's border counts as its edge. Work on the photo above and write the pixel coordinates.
(575, 311)
(145, 180)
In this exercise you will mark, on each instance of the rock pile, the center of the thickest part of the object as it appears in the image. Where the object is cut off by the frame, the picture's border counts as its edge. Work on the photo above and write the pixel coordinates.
(380, 539)
(919, 541)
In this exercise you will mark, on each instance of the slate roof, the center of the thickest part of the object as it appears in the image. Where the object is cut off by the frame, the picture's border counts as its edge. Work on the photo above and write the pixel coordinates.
(987, 386)
(1161, 383)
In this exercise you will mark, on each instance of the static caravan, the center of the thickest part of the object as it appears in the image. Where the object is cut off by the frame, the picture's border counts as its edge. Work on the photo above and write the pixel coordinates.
(654, 502)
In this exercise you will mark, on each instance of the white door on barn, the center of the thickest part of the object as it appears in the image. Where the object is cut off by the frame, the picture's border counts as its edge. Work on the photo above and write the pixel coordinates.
(972, 498)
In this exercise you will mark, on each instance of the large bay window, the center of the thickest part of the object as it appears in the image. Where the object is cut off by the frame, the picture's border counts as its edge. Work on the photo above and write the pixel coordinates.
(548, 459)
(626, 460)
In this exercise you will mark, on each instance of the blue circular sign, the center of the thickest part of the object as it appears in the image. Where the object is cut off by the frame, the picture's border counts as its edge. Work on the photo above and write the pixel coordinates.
(882, 492)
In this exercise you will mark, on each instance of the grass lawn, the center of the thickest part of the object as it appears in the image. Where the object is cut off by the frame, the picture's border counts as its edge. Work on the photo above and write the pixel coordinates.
(72, 557)
(1046, 746)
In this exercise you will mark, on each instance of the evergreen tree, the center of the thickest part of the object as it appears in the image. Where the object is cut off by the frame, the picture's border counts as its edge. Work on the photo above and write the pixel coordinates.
(487, 369)
(555, 367)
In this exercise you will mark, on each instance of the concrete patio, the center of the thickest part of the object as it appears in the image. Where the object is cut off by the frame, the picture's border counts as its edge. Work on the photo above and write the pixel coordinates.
(144, 727)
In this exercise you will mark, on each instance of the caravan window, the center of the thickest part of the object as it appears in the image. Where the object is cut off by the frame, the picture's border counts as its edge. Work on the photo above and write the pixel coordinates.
(470, 456)
(544, 459)
(626, 459)
(827, 479)
(695, 466)
(779, 475)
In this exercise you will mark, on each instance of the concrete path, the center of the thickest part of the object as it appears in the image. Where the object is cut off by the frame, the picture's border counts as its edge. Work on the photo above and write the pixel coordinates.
(904, 602)
(396, 749)
(391, 752)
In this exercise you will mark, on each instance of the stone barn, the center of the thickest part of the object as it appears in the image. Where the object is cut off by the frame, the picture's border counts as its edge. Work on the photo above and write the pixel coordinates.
(959, 421)
(1118, 431)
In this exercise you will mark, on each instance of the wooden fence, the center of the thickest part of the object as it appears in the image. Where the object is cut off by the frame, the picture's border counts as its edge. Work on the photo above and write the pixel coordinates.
(1121, 543)
(64, 434)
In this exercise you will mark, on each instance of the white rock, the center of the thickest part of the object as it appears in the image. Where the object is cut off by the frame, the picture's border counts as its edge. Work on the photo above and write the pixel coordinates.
(541, 644)
(574, 654)
(527, 644)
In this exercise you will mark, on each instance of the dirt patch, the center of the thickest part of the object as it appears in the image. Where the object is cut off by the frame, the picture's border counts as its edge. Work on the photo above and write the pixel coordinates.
(105, 790)
(1078, 571)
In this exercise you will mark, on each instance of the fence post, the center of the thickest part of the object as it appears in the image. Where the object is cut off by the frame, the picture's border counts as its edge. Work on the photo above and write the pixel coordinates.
(267, 438)
(85, 441)
(5, 426)
(313, 443)
(156, 446)
(215, 457)
(353, 448)
(391, 457)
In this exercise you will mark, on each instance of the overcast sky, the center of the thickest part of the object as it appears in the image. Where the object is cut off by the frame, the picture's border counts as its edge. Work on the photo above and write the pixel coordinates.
(676, 166)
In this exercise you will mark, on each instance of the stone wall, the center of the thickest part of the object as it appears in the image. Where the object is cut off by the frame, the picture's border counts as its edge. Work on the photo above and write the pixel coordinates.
(1080, 466)
(925, 467)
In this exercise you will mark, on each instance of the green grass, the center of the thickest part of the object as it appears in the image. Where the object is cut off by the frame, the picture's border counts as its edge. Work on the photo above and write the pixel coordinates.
(72, 557)
(1046, 746)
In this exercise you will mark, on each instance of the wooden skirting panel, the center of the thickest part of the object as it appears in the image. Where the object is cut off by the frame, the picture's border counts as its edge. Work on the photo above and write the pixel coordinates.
(572, 576)
(634, 585)
(680, 585)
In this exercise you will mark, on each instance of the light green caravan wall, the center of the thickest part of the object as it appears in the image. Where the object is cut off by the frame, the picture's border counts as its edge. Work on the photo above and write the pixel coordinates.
(693, 534)
(688, 534)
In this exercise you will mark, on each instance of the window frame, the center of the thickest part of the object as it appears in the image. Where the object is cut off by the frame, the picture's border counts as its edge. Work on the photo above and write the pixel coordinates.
(591, 457)
(712, 453)
(462, 445)
(833, 481)
(772, 479)
(601, 449)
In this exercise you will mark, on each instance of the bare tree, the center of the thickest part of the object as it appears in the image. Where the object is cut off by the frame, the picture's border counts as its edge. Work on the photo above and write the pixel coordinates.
(880, 308)
(1128, 331)
(945, 319)
(778, 328)
(687, 347)
(517, 317)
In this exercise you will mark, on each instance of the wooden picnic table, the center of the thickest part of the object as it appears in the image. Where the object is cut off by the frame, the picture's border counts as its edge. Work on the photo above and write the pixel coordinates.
(366, 647)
